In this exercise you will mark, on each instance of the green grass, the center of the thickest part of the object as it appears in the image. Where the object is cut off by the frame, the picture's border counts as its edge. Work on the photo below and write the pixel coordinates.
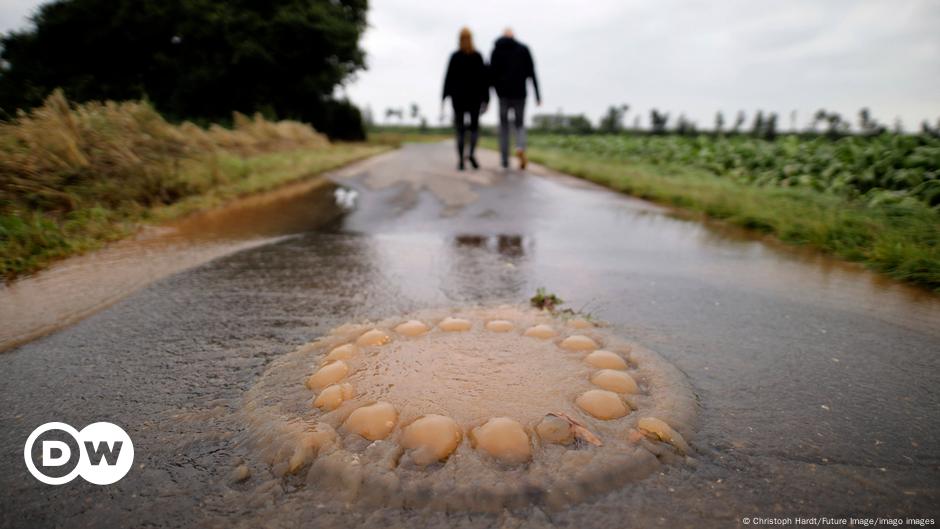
(239, 176)
(395, 137)
(900, 239)
(32, 238)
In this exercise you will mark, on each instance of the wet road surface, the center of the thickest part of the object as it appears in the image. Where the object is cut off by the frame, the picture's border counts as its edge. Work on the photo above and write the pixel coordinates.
(817, 380)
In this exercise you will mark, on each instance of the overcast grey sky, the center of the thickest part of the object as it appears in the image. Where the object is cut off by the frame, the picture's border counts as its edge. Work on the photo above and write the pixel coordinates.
(694, 57)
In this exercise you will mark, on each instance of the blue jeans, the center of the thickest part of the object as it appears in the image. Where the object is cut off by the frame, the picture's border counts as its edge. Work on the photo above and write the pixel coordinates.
(518, 125)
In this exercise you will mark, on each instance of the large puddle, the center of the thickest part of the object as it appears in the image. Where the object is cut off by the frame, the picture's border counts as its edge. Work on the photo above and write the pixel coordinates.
(79, 286)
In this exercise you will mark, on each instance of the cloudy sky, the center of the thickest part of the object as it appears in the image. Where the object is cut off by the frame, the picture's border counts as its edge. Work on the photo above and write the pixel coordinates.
(682, 56)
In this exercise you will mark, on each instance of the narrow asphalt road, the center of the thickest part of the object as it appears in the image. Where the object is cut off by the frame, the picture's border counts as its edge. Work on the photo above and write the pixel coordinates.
(817, 380)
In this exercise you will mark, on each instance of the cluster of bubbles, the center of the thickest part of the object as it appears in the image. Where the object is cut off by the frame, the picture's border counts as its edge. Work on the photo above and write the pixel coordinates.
(476, 409)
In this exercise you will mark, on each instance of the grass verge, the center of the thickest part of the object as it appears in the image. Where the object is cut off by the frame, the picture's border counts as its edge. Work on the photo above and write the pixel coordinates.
(900, 240)
(31, 239)
(395, 138)
(75, 176)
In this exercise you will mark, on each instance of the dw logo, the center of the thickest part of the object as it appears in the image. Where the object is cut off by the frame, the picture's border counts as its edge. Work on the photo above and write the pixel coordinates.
(102, 453)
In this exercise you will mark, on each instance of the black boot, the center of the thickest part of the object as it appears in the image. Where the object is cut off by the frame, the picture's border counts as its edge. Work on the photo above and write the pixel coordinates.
(474, 138)
(460, 135)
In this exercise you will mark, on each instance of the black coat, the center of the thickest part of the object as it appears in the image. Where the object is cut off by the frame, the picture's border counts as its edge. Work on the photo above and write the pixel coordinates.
(467, 80)
(510, 66)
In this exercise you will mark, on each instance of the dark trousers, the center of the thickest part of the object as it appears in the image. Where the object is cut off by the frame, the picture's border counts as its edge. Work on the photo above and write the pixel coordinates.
(517, 106)
(461, 110)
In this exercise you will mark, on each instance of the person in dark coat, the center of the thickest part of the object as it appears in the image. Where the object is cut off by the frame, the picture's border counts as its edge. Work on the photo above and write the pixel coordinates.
(467, 85)
(511, 67)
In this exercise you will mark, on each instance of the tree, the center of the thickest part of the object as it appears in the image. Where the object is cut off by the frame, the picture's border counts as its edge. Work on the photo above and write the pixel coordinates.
(193, 59)
(818, 118)
(613, 120)
(562, 123)
(658, 121)
(868, 125)
(395, 112)
(898, 125)
(835, 126)
(719, 122)
(579, 124)
(927, 130)
(685, 126)
(739, 122)
(757, 127)
(770, 127)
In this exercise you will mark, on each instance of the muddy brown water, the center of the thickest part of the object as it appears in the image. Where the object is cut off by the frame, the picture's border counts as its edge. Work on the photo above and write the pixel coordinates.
(816, 380)
(80, 286)
(476, 380)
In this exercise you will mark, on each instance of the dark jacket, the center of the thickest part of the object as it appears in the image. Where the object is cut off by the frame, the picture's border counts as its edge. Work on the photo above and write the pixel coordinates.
(467, 80)
(510, 66)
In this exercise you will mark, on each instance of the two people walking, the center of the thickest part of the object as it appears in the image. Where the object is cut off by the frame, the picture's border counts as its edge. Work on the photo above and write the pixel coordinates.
(467, 83)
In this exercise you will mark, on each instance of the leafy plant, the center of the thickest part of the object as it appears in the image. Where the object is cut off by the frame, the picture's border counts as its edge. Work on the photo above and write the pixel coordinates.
(544, 300)
(883, 168)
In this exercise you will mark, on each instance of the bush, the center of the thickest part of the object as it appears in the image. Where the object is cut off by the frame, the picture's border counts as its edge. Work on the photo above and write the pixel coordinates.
(340, 120)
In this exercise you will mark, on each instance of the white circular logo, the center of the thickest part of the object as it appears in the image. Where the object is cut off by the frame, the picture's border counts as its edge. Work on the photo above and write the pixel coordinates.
(102, 453)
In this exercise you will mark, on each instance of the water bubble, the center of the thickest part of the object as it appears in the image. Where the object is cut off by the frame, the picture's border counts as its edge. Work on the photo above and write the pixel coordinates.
(373, 337)
(602, 404)
(605, 360)
(578, 342)
(579, 323)
(554, 429)
(343, 352)
(240, 473)
(499, 325)
(330, 398)
(504, 439)
(454, 325)
(373, 422)
(328, 374)
(541, 331)
(432, 438)
(662, 431)
(412, 328)
(612, 380)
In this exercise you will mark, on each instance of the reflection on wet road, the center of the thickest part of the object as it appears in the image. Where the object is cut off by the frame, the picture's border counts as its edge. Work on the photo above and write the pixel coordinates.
(816, 379)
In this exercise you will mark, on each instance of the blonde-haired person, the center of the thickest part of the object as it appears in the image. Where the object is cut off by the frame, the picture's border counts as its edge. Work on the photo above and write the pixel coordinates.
(467, 86)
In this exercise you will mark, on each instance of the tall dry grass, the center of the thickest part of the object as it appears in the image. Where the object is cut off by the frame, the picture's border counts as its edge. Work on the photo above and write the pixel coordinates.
(73, 176)
(59, 156)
